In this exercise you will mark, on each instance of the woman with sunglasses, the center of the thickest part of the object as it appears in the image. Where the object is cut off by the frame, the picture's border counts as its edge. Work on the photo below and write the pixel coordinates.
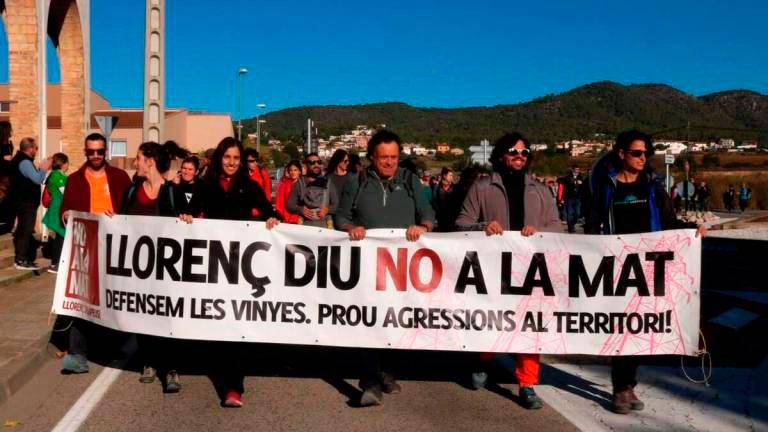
(629, 199)
(511, 200)
(227, 192)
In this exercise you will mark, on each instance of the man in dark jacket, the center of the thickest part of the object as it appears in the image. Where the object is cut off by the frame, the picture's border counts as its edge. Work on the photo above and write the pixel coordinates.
(97, 188)
(628, 199)
(573, 186)
(511, 201)
(443, 202)
(24, 195)
(385, 196)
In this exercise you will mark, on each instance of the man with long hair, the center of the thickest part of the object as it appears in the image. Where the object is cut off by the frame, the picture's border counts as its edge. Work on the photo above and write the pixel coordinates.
(511, 201)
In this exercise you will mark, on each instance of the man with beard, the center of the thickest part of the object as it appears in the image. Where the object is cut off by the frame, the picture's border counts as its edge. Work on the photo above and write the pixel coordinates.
(310, 197)
(511, 201)
(98, 188)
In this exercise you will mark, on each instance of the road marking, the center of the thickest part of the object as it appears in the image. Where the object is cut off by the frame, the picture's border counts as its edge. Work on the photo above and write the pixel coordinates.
(88, 401)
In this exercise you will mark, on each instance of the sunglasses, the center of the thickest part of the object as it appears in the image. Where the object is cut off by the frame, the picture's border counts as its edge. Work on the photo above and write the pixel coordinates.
(93, 152)
(515, 152)
(637, 153)
(251, 160)
(345, 161)
(313, 162)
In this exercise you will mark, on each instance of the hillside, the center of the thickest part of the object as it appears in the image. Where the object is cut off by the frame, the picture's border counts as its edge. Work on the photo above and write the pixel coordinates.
(598, 108)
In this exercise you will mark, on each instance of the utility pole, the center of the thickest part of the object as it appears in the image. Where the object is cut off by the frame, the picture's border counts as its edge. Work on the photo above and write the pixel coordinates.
(308, 147)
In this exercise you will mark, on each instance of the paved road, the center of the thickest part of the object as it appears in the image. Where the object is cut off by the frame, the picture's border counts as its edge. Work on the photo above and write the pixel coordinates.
(289, 402)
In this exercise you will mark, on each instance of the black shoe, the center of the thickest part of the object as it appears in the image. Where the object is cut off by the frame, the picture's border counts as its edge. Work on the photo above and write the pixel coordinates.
(620, 403)
(25, 265)
(635, 404)
(529, 399)
(371, 396)
(172, 383)
(389, 384)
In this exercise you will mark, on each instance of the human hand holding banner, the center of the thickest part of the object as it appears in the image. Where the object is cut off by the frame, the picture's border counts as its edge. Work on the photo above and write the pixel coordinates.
(237, 281)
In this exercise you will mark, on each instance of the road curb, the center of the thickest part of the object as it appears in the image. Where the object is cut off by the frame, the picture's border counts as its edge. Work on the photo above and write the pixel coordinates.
(18, 372)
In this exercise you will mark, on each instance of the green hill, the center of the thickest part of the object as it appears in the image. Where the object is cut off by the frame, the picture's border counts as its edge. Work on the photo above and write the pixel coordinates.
(597, 108)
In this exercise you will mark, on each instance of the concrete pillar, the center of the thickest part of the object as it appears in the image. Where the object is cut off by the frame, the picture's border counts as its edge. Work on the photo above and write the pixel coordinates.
(154, 71)
(74, 121)
(21, 25)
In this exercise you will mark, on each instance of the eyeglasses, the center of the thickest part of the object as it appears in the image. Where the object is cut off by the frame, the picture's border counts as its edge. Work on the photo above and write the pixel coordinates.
(251, 160)
(313, 162)
(515, 152)
(93, 152)
(637, 153)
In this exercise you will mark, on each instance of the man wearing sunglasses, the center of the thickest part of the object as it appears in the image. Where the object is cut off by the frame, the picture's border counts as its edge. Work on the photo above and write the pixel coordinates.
(98, 188)
(311, 197)
(511, 200)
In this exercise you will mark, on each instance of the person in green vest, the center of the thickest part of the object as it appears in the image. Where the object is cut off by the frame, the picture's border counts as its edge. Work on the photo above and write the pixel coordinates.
(55, 189)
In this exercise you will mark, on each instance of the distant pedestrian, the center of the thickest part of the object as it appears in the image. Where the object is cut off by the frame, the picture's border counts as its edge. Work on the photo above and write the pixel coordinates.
(6, 154)
(187, 177)
(55, 185)
(729, 198)
(338, 174)
(205, 163)
(24, 195)
(384, 196)
(258, 172)
(311, 198)
(573, 190)
(442, 201)
(702, 197)
(291, 175)
(355, 164)
(745, 195)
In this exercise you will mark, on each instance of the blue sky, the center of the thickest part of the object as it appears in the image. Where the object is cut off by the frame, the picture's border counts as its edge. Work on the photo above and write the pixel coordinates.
(426, 53)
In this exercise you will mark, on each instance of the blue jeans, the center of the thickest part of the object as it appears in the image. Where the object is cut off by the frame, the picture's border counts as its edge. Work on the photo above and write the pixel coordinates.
(572, 213)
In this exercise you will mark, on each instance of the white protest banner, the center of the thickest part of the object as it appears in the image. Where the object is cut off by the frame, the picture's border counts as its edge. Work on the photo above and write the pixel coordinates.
(237, 281)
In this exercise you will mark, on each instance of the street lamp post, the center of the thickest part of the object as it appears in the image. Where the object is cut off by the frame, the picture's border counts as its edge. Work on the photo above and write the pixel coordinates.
(240, 72)
(258, 126)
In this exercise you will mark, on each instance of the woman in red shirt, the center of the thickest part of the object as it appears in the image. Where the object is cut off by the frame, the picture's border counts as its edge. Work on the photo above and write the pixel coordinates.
(290, 176)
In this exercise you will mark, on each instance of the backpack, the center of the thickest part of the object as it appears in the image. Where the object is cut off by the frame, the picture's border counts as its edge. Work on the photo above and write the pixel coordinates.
(46, 200)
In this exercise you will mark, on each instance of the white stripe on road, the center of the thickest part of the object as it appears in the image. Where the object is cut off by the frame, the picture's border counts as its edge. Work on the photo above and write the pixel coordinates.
(88, 401)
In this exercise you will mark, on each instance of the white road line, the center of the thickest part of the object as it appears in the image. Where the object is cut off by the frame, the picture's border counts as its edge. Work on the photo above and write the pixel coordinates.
(87, 402)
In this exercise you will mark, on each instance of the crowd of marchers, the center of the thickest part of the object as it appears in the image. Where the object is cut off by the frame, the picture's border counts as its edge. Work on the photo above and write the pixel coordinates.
(621, 195)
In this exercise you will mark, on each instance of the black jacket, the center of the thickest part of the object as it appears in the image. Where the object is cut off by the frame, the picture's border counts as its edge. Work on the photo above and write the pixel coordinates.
(23, 190)
(170, 200)
(211, 201)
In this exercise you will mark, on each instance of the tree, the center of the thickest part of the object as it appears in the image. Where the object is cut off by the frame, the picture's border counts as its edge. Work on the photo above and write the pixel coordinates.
(291, 150)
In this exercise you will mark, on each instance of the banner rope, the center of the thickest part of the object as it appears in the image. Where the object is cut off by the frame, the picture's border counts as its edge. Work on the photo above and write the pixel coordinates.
(706, 364)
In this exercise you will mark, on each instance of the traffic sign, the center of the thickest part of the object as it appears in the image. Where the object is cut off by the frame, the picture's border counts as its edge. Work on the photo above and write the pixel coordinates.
(479, 149)
(481, 153)
(669, 159)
